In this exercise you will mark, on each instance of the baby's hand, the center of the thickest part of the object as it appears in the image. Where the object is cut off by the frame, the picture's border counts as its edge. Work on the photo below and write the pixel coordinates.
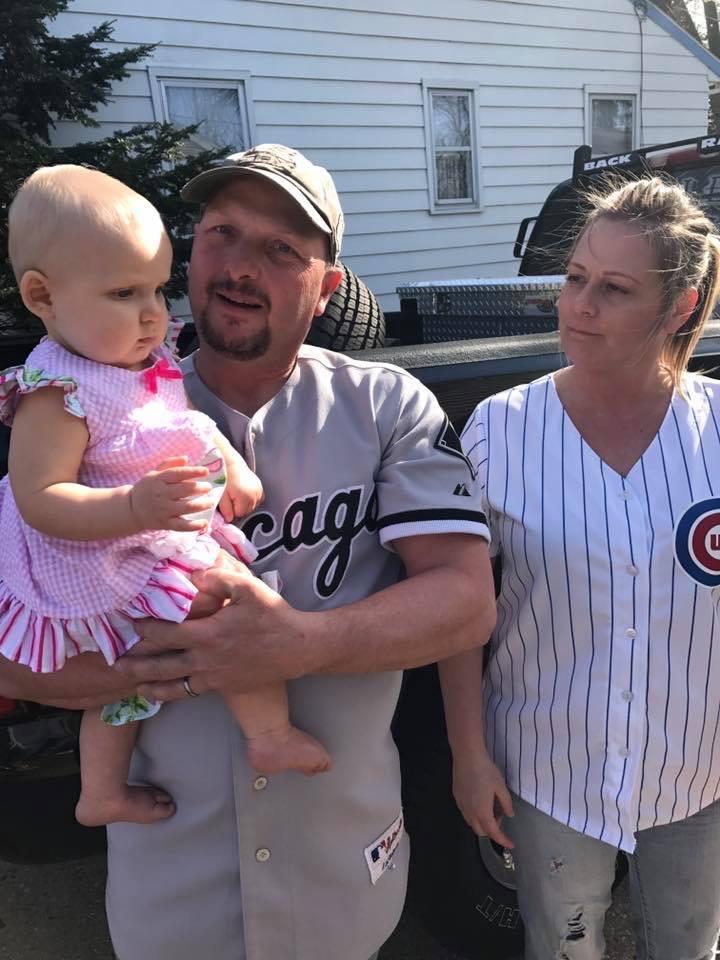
(164, 497)
(243, 492)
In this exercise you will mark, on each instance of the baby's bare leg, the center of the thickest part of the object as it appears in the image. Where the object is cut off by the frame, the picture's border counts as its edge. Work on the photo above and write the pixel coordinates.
(106, 796)
(273, 743)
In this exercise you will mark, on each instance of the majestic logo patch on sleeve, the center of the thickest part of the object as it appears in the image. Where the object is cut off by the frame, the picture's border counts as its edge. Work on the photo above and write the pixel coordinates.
(447, 441)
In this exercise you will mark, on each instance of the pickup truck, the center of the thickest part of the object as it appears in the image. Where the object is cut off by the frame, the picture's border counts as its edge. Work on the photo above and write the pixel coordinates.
(462, 887)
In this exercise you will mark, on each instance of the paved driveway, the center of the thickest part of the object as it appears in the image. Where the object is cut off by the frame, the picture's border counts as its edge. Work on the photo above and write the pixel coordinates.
(55, 912)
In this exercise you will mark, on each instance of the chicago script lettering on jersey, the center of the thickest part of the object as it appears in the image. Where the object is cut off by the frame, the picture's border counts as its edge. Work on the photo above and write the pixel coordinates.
(307, 523)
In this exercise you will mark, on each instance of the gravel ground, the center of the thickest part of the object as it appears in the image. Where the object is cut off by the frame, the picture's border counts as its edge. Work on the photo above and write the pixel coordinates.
(55, 912)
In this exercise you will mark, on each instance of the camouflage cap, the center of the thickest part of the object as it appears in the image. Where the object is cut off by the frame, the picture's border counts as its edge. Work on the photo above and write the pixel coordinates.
(309, 185)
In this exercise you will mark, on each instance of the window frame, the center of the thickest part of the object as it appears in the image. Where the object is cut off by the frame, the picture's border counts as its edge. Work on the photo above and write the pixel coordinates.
(602, 92)
(161, 76)
(460, 87)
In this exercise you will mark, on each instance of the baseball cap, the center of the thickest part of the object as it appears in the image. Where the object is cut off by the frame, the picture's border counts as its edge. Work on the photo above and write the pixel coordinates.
(309, 185)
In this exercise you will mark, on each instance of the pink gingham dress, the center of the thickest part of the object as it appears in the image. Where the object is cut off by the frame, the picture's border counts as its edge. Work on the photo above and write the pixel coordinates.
(59, 598)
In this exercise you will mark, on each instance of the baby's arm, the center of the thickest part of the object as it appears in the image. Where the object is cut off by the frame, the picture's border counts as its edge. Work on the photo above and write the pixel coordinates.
(47, 445)
(243, 492)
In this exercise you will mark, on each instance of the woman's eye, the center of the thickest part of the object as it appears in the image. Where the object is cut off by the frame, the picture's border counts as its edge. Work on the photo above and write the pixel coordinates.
(125, 293)
(614, 288)
(573, 278)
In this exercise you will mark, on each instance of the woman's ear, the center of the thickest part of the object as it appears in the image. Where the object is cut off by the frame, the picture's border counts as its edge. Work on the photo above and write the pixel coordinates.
(683, 307)
(36, 294)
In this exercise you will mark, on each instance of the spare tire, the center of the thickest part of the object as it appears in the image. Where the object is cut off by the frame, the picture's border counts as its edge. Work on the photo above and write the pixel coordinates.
(352, 320)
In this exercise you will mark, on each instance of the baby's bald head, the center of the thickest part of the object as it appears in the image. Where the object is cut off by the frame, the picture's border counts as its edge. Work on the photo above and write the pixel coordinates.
(59, 209)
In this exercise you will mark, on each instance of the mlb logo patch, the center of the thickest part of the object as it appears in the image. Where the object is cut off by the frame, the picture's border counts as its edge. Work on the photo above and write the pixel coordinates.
(379, 854)
(697, 542)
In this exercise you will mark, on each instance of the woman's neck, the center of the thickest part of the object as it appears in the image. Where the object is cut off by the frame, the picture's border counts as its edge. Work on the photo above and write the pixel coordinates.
(620, 390)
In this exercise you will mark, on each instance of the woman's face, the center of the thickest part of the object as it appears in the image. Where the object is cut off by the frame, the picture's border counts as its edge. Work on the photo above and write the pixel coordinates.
(610, 306)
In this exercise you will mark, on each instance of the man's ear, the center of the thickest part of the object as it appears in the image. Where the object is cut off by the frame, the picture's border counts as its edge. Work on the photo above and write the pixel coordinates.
(35, 293)
(333, 276)
(684, 305)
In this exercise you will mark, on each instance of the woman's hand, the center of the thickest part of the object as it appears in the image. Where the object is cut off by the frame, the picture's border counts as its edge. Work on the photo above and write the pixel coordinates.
(482, 796)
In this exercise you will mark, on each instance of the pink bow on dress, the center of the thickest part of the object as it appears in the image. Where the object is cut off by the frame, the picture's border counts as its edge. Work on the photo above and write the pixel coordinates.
(162, 370)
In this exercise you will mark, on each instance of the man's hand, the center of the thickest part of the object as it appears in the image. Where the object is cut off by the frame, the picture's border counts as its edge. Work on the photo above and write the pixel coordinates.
(163, 498)
(482, 796)
(243, 491)
(255, 639)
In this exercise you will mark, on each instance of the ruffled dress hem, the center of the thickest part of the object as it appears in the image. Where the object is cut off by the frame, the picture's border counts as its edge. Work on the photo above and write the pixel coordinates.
(44, 643)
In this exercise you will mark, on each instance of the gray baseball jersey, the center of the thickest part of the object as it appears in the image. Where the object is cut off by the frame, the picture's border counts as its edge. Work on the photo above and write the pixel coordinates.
(352, 456)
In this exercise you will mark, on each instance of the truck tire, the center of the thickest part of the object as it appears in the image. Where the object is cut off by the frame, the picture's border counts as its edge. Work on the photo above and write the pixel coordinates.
(352, 320)
(461, 888)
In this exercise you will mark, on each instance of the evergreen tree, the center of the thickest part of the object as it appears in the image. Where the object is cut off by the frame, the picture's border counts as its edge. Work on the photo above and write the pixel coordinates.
(45, 79)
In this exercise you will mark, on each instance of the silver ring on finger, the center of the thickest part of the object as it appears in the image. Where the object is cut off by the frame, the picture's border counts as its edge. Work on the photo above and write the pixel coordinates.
(188, 689)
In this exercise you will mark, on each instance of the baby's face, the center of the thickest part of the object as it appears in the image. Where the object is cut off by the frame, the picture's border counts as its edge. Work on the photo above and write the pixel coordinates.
(108, 301)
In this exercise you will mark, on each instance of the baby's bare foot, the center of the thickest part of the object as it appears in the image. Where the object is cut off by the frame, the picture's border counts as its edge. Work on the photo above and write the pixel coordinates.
(289, 749)
(133, 805)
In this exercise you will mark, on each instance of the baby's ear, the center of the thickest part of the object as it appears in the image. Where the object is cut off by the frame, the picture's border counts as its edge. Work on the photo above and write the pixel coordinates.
(35, 293)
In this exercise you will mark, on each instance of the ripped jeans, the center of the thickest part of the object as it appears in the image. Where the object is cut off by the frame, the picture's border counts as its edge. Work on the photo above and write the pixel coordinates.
(565, 880)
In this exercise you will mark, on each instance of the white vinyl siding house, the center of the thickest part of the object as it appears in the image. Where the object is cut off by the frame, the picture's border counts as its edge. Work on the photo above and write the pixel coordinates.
(361, 88)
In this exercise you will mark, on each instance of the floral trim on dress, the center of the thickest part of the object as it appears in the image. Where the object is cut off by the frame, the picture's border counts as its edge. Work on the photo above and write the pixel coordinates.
(129, 710)
(16, 381)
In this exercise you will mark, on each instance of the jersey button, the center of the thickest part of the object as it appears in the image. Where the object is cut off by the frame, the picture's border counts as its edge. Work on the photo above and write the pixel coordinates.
(625, 495)
(632, 570)
(631, 633)
(260, 783)
(624, 752)
(627, 695)
(262, 855)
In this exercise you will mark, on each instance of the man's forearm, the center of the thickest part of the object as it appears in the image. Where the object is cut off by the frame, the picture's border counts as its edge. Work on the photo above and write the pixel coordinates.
(84, 682)
(428, 617)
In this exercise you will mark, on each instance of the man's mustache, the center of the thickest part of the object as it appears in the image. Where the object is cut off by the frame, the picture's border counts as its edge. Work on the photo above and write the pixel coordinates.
(239, 290)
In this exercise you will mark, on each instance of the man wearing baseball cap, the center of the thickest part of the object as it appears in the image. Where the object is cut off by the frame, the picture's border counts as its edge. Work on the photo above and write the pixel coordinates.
(364, 478)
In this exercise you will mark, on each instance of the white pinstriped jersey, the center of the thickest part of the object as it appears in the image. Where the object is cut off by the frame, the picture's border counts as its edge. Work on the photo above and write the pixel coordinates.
(602, 691)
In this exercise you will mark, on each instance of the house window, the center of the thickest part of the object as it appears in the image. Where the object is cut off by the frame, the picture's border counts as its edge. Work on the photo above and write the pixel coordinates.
(451, 143)
(219, 104)
(611, 121)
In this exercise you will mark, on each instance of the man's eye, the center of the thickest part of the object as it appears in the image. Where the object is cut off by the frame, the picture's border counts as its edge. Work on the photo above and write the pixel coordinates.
(222, 228)
(282, 248)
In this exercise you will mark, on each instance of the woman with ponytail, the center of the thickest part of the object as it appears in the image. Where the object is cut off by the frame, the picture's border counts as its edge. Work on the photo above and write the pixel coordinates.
(597, 728)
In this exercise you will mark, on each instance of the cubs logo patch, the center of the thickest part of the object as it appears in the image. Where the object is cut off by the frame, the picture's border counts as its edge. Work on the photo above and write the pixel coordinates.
(448, 442)
(697, 542)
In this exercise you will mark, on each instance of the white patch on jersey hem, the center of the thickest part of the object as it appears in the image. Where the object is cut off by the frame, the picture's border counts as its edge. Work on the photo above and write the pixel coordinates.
(379, 854)
(398, 531)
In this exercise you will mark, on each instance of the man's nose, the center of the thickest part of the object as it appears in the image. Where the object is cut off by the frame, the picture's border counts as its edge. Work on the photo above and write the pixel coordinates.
(242, 260)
